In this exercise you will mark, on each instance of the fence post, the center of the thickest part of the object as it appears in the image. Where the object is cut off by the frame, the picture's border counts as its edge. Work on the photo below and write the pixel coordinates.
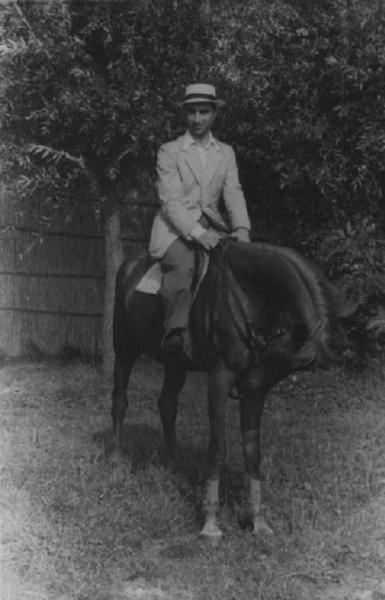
(114, 258)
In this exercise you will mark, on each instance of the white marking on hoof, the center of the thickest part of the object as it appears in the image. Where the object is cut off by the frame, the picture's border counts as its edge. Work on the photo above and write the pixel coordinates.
(260, 527)
(211, 530)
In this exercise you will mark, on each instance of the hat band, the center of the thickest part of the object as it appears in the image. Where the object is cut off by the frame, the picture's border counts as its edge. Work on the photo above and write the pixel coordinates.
(208, 97)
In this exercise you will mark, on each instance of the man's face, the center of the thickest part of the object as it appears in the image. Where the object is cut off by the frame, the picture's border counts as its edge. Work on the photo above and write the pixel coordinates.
(200, 118)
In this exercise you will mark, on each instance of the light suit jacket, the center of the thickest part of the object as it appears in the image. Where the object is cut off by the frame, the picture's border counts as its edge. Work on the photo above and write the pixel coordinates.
(187, 189)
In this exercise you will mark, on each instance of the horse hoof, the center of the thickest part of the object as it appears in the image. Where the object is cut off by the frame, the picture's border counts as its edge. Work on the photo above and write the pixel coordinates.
(260, 527)
(212, 533)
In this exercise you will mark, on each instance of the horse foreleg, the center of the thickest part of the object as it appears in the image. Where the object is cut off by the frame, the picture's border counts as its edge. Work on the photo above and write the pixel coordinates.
(220, 382)
(173, 382)
(251, 407)
(122, 369)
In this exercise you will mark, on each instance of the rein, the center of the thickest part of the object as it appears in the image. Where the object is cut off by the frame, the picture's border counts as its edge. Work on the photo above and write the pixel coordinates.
(238, 305)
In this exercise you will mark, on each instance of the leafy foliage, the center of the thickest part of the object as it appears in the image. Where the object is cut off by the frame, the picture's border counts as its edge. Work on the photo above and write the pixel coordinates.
(85, 85)
(307, 93)
(89, 93)
(355, 256)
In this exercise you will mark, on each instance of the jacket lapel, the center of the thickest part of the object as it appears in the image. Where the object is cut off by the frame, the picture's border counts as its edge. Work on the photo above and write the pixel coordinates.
(212, 162)
(193, 160)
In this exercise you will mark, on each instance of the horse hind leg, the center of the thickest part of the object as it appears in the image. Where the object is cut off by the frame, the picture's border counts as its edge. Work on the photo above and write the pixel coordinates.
(122, 370)
(173, 382)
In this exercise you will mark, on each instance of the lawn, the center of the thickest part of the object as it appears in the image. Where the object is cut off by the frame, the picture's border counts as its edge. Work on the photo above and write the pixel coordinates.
(73, 527)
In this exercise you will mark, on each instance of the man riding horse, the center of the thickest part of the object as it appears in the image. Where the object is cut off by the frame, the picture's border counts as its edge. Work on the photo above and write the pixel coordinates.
(194, 172)
(261, 311)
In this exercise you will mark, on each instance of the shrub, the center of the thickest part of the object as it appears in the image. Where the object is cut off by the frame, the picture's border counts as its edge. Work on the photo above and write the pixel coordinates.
(354, 255)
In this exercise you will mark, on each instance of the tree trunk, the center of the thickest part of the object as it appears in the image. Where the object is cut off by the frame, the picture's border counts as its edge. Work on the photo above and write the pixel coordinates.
(114, 258)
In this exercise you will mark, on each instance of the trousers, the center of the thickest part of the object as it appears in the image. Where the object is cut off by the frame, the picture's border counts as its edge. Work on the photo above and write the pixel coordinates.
(177, 267)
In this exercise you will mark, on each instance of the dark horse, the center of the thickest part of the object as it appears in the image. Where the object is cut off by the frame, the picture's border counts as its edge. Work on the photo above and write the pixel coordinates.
(261, 313)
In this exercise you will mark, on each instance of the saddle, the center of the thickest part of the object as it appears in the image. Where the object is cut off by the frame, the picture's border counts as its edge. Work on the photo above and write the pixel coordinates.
(151, 281)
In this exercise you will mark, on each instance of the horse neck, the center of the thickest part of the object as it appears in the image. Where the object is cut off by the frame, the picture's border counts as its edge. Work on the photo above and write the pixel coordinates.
(311, 280)
(292, 278)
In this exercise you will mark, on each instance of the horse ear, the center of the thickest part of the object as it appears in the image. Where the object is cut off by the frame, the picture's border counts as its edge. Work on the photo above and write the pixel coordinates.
(349, 303)
(343, 301)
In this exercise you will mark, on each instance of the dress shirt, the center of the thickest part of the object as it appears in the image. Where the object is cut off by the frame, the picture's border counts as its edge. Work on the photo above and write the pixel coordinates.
(202, 151)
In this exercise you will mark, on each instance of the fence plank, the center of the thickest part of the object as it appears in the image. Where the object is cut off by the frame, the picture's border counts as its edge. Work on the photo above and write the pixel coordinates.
(137, 216)
(52, 285)
(52, 294)
(22, 252)
(33, 334)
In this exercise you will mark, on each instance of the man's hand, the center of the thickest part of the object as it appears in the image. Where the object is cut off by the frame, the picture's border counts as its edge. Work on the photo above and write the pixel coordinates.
(241, 234)
(209, 239)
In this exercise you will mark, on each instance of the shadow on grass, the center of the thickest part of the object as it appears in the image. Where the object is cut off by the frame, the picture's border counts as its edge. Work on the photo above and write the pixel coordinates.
(143, 445)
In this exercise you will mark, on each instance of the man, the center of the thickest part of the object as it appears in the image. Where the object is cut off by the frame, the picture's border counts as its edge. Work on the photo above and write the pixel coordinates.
(194, 172)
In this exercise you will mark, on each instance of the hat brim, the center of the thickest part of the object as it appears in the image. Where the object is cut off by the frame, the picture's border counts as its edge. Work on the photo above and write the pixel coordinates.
(202, 100)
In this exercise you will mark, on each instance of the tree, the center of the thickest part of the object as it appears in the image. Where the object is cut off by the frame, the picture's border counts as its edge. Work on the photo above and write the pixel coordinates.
(306, 90)
(90, 90)
(88, 93)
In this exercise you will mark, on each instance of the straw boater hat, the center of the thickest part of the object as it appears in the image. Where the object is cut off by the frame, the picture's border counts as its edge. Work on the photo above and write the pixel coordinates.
(201, 92)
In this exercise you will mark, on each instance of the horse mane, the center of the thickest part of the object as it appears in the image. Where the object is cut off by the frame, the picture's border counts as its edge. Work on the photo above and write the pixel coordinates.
(285, 275)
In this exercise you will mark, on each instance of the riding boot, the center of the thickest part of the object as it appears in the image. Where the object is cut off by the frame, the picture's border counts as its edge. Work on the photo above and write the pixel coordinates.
(177, 306)
(178, 272)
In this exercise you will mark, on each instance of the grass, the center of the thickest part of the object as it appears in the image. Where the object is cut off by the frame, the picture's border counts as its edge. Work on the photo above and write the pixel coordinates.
(74, 528)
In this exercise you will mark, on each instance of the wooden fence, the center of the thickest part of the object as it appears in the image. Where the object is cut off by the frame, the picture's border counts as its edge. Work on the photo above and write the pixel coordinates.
(51, 285)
